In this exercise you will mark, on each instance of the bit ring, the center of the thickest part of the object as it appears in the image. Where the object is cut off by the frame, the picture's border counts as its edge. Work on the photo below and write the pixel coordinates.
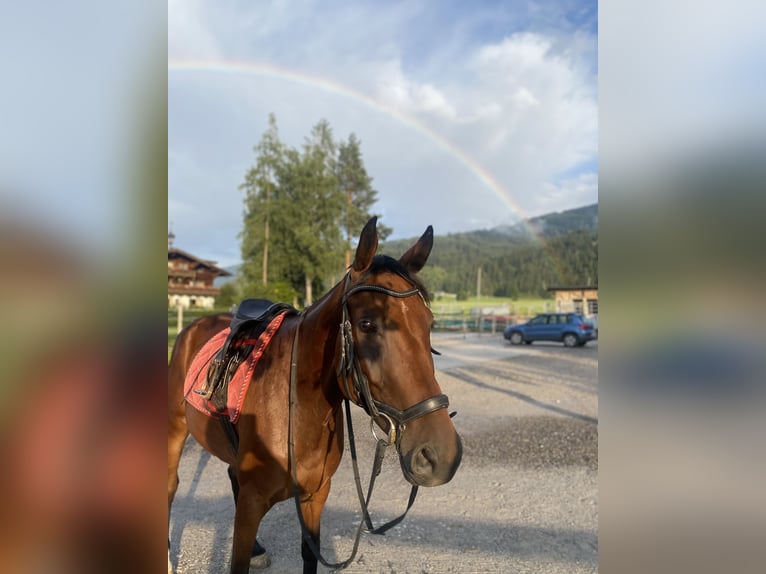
(391, 429)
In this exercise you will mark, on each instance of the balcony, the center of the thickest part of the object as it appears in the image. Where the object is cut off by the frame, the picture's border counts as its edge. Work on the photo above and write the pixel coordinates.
(192, 290)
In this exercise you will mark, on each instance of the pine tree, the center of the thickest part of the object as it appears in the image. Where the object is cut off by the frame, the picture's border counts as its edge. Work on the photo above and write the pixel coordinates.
(309, 209)
(261, 189)
(356, 187)
(298, 212)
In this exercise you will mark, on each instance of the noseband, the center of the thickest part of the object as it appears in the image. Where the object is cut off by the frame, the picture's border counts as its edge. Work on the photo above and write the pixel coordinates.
(350, 368)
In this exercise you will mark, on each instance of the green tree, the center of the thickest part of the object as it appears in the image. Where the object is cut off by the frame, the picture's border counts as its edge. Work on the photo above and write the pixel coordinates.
(434, 277)
(261, 188)
(297, 212)
(309, 206)
(230, 294)
(356, 186)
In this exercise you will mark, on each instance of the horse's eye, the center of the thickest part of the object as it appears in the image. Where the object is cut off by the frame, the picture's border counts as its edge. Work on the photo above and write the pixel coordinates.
(367, 326)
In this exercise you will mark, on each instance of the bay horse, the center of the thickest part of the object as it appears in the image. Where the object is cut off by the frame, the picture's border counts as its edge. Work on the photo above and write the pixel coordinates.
(367, 341)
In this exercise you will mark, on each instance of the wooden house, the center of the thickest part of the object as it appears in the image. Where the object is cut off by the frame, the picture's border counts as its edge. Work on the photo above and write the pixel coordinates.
(581, 299)
(190, 279)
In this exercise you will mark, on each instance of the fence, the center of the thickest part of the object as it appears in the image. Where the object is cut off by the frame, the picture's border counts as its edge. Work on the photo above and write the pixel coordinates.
(457, 321)
(187, 316)
(467, 323)
(487, 319)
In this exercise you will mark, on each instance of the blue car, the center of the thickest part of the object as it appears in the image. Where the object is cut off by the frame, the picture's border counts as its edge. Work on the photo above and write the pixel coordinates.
(572, 329)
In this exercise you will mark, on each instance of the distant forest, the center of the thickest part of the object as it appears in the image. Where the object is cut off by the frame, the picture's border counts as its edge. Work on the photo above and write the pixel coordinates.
(557, 249)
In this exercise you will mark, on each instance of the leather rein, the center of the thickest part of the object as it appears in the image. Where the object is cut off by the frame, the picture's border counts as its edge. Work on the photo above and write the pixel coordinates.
(350, 370)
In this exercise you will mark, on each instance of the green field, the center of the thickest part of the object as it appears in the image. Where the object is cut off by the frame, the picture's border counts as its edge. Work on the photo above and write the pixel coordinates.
(189, 315)
(522, 306)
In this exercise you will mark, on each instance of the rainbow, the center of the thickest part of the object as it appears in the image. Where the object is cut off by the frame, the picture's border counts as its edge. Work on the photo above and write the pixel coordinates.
(264, 69)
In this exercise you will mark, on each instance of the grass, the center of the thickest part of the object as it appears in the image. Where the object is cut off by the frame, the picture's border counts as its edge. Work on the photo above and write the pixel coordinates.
(522, 306)
(189, 316)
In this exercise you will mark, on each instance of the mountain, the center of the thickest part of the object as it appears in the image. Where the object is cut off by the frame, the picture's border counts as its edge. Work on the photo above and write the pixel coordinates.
(498, 239)
(525, 258)
(522, 259)
(554, 224)
(233, 269)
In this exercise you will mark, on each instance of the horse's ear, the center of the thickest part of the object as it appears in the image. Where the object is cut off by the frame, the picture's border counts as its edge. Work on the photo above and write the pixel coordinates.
(417, 255)
(368, 246)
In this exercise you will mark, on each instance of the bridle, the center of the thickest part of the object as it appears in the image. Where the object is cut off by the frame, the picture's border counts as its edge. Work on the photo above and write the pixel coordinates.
(349, 369)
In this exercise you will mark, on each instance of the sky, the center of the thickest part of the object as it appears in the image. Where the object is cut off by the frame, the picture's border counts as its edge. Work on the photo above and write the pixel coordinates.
(470, 114)
(77, 79)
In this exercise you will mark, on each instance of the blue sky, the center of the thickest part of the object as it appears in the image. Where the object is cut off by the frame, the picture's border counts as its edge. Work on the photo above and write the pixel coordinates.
(471, 114)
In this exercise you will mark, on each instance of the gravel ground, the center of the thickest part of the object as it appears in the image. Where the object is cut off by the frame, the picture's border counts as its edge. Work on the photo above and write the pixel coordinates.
(525, 498)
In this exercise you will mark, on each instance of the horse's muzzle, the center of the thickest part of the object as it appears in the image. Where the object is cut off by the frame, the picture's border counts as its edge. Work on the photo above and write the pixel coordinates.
(431, 464)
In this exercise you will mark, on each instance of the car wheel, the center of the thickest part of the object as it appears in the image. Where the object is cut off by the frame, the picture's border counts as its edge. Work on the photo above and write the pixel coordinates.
(570, 340)
(516, 338)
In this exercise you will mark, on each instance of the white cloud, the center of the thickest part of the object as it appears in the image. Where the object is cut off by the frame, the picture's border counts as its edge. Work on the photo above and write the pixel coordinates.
(520, 53)
(397, 91)
(546, 104)
(571, 192)
(524, 99)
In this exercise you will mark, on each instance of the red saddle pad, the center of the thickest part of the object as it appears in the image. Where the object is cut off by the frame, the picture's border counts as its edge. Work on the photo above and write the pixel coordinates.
(197, 374)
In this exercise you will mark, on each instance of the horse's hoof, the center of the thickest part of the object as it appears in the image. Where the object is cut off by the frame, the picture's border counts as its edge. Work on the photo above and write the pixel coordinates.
(258, 549)
(260, 561)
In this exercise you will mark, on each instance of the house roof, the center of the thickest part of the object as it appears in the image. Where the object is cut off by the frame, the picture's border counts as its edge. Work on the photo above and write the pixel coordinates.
(575, 288)
(174, 252)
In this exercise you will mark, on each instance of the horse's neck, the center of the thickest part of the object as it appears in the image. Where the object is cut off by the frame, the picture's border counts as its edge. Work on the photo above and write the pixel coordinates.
(319, 331)
(327, 312)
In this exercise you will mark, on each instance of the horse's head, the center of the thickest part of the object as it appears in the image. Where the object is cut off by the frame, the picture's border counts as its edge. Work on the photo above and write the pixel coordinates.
(386, 362)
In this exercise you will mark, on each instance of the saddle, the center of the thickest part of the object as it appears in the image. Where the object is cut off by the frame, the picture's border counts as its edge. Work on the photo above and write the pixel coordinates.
(249, 322)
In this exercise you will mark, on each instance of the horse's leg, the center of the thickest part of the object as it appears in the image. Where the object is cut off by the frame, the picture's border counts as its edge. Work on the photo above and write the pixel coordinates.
(177, 433)
(312, 514)
(251, 507)
(234, 482)
(258, 551)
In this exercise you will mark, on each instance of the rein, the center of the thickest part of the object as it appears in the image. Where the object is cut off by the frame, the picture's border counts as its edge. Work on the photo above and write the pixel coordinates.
(349, 367)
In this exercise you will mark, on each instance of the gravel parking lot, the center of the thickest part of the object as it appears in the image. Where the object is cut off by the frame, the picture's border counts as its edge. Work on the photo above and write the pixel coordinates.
(525, 498)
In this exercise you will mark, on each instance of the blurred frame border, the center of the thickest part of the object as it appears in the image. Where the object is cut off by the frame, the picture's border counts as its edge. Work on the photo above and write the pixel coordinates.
(82, 363)
(681, 185)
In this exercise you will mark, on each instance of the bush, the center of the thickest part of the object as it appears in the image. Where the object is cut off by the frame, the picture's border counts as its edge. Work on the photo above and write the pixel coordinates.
(231, 294)
(463, 295)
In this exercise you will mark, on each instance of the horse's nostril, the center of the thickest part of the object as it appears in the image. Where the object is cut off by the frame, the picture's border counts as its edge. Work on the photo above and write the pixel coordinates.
(425, 460)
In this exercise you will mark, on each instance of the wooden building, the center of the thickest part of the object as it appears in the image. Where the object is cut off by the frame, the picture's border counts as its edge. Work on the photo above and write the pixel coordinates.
(190, 279)
(581, 299)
